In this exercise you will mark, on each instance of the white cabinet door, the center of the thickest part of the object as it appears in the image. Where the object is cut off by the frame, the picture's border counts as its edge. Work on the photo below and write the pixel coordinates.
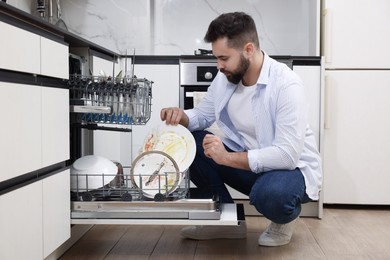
(165, 93)
(56, 211)
(357, 137)
(356, 33)
(19, 49)
(54, 59)
(55, 125)
(311, 77)
(21, 223)
(20, 134)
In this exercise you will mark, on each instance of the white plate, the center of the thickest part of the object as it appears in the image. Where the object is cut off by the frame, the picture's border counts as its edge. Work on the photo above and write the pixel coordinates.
(155, 172)
(176, 141)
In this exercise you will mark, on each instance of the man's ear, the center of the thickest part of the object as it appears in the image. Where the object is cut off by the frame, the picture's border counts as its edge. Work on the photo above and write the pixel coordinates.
(249, 49)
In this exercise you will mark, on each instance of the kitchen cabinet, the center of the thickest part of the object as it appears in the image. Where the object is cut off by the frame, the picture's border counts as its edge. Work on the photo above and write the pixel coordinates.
(356, 34)
(21, 223)
(34, 181)
(356, 137)
(21, 136)
(54, 59)
(356, 108)
(55, 125)
(56, 211)
(22, 46)
(38, 128)
(31, 53)
(35, 219)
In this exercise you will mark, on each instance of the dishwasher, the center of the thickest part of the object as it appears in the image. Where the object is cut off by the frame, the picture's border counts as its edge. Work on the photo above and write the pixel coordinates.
(157, 191)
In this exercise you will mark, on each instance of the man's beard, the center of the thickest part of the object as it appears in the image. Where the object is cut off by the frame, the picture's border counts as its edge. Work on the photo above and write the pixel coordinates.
(236, 76)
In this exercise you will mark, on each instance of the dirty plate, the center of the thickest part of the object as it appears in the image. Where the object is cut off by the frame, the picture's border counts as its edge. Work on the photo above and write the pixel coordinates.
(155, 172)
(176, 141)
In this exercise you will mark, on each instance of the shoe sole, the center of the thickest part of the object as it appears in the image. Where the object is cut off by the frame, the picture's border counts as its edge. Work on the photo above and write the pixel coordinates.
(273, 244)
(219, 236)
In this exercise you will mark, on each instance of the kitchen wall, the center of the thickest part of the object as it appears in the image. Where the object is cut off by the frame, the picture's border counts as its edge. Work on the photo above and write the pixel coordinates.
(25, 5)
(177, 27)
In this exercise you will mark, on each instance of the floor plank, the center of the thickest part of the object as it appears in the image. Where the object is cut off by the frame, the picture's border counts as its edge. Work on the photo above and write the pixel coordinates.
(342, 233)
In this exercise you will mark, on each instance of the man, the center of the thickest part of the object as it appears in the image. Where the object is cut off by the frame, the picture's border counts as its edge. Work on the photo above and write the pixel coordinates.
(267, 152)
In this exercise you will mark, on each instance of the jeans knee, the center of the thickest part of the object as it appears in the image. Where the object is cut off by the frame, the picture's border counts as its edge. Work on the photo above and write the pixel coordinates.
(276, 206)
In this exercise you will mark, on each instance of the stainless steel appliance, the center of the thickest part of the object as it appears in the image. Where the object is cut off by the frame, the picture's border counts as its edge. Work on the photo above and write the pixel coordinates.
(196, 74)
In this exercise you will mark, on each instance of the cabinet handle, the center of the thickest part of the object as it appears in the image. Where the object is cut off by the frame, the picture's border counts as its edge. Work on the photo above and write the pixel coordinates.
(328, 17)
(327, 103)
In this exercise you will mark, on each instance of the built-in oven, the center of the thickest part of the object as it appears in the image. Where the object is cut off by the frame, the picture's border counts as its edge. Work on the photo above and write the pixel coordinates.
(196, 75)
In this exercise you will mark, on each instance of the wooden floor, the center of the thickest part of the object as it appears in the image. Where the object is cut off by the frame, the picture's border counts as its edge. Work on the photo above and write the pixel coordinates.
(341, 234)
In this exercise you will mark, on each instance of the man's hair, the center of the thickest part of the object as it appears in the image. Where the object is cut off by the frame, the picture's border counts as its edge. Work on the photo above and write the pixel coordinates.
(238, 27)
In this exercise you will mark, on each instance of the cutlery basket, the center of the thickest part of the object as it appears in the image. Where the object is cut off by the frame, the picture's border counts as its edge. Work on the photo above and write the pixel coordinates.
(102, 100)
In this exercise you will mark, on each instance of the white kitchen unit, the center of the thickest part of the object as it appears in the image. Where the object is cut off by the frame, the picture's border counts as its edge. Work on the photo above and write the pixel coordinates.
(25, 132)
(21, 223)
(56, 211)
(54, 55)
(35, 219)
(42, 131)
(356, 126)
(22, 46)
(34, 180)
(356, 34)
(356, 137)
(31, 53)
(55, 125)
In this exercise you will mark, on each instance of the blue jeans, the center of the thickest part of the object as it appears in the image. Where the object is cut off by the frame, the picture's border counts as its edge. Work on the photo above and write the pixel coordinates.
(276, 194)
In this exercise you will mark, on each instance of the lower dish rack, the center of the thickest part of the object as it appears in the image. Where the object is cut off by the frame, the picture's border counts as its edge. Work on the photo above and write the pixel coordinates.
(114, 199)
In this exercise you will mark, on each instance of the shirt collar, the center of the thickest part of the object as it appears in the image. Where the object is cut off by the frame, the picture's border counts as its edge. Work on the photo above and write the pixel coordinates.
(264, 73)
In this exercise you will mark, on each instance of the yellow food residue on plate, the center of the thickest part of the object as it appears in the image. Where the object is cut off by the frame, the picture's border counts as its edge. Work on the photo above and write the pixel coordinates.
(170, 143)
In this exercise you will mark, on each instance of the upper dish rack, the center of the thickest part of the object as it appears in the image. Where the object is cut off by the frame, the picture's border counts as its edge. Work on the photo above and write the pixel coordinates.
(99, 100)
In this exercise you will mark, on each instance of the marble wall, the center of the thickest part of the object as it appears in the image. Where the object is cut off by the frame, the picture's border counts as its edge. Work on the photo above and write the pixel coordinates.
(177, 27)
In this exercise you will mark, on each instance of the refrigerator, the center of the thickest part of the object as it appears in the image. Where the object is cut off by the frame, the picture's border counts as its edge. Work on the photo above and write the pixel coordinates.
(356, 128)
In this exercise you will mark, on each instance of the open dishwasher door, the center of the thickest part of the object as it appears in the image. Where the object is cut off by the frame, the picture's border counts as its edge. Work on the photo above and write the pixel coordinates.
(105, 198)
(180, 212)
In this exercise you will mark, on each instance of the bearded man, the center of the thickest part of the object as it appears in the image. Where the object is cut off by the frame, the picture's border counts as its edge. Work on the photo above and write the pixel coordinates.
(267, 150)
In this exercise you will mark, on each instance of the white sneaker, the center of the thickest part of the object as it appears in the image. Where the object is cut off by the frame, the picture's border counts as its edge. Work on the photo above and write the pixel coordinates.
(214, 232)
(277, 234)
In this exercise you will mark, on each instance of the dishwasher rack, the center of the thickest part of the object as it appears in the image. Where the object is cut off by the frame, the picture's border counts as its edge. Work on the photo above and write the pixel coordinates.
(120, 201)
(122, 187)
(108, 100)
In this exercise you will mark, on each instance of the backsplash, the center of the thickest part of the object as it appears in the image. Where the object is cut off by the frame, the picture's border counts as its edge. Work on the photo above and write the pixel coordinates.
(177, 27)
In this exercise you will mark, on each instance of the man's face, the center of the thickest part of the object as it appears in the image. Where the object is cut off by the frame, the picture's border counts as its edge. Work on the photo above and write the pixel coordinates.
(231, 62)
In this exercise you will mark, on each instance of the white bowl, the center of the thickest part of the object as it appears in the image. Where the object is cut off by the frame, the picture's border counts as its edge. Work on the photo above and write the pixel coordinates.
(91, 172)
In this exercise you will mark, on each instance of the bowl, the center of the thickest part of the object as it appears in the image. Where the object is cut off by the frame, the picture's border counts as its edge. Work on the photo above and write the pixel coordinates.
(92, 172)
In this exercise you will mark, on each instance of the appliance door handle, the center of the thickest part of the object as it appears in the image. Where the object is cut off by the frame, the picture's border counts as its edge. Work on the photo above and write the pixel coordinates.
(328, 17)
(327, 93)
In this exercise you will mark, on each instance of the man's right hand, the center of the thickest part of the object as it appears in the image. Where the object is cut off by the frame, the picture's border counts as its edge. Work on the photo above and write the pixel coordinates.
(174, 116)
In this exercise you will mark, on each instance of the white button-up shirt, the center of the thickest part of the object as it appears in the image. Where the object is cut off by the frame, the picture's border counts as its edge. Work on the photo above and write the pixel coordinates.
(284, 139)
